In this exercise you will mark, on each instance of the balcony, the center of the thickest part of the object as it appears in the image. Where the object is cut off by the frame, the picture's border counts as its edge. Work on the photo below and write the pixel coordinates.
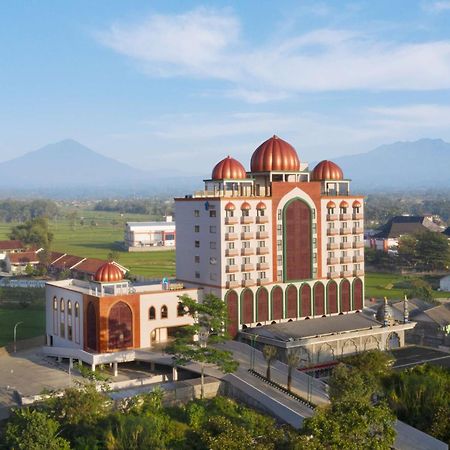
(247, 235)
(332, 231)
(231, 236)
(247, 251)
(357, 216)
(346, 259)
(232, 284)
(262, 219)
(248, 283)
(346, 245)
(262, 266)
(331, 217)
(262, 235)
(333, 260)
(262, 250)
(262, 281)
(345, 231)
(346, 216)
(247, 219)
(358, 230)
(231, 220)
(232, 268)
(359, 244)
(346, 273)
(358, 273)
(333, 275)
(359, 258)
(231, 252)
(247, 267)
(333, 246)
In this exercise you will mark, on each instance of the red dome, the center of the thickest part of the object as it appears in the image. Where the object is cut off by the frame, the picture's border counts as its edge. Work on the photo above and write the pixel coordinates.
(327, 170)
(275, 154)
(230, 206)
(331, 204)
(246, 205)
(356, 204)
(108, 272)
(261, 205)
(343, 204)
(230, 169)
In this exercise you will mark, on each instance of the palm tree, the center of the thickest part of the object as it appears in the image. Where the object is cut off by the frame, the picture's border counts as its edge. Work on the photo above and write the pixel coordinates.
(270, 353)
(293, 360)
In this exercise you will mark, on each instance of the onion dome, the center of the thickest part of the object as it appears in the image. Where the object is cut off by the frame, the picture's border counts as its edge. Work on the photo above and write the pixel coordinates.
(261, 205)
(331, 204)
(230, 206)
(229, 169)
(356, 204)
(327, 170)
(343, 204)
(109, 272)
(246, 205)
(275, 154)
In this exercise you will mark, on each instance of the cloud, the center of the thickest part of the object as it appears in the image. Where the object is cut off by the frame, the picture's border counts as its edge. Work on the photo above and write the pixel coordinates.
(208, 44)
(438, 6)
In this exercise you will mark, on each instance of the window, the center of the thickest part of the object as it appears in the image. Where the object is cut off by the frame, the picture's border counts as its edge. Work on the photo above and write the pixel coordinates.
(343, 210)
(232, 277)
(344, 253)
(330, 254)
(69, 308)
(344, 239)
(245, 213)
(212, 229)
(261, 275)
(197, 274)
(62, 332)
(261, 228)
(330, 269)
(69, 332)
(152, 313)
(230, 229)
(77, 310)
(357, 266)
(55, 304)
(246, 260)
(231, 261)
(261, 244)
(247, 276)
(246, 228)
(213, 276)
(197, 259)
(180, 310)
(279, 275)
(212, 213)
(314, 228)
(61, 305)
(230, 245)
(314, 241)
(279, 214)
(279, 260)
(357, 224)
(260, 212)
(196, 213)
(229, 213)
(246, 244)
(344, 224)
(163, 312)
(279, 245)
(261, 259)
(212, 245)
(356, 209)
(197, 228)
(197, 244)
(330, 211)
(331, 240)
(314, 258)
(313, 213)
(345, 268)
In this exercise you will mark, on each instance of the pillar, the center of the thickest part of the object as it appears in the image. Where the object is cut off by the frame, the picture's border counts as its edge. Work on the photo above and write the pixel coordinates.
(115, 369)
(174, 374)
(93, 367)
(70, 363)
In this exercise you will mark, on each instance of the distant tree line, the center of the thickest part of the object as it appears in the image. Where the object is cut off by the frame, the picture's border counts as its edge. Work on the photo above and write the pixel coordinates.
(152, 206)
(23, 210)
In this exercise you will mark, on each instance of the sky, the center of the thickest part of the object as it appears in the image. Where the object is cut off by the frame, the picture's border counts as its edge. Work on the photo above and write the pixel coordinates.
(164, 85)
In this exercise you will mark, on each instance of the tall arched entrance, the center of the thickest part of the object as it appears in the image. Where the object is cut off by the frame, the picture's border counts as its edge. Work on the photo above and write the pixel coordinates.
(345, 296)
(277, 303)
(262, 305)
(332, 298)
(358, 294)
(305, 295)
(233, 310)
(319, 299)
(91, 325)
(247, 306)
(297, 241)
(120, 327)
(291, 300)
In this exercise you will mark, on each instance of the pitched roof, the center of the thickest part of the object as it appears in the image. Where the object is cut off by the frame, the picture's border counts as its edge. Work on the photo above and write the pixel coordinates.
(400, 225)
(12, 244)
(67, 262)
(54, 256)
(439, 314)
(89, 265)
(23, 258)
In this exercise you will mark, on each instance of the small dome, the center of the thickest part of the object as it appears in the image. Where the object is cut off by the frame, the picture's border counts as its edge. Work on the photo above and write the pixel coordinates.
(229, 169)
(246, 205)
(343, 204)
(327, 170)
(230, 206)
(261, 205)
(331, 204)
(108, 272)
(275, 154)
(356, 204)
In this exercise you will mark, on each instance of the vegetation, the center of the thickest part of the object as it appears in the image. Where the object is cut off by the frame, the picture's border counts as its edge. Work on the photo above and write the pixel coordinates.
(34, 232)
(152, 206)
(198, 342)
(270, 353)
(25, 210)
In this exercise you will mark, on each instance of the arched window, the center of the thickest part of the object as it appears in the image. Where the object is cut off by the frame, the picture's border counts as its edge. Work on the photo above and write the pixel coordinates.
(55, 304)
(151, 313)
(77, 310)
(61, 305)
(180, 309)
(163, 312)
(69, 307)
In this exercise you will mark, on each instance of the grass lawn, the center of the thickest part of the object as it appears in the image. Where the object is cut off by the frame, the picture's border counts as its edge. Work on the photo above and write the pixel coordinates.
(33, 323)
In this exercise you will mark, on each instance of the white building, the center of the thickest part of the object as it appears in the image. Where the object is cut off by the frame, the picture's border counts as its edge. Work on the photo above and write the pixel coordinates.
(143, 236)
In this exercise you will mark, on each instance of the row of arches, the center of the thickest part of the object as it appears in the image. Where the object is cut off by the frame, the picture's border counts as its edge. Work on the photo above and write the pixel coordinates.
(66, 319)
(293, 302)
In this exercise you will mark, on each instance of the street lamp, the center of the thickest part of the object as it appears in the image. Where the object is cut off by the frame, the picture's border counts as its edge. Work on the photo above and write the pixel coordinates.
(15, 334)
(203, 336)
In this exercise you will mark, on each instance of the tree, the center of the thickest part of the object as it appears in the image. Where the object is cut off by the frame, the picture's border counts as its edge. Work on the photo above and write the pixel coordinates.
(198, 342)
(270, 353)
(293, 360)
(29, 429)
(407, 250)
(33, 232)
(433, 250)
(420, 289)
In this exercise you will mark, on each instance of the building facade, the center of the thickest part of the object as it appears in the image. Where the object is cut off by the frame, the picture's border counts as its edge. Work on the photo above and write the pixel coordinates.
(277, 243)
(144, 236)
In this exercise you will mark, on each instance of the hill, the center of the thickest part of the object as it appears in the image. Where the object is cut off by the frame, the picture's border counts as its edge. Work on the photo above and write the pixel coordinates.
(423, 164)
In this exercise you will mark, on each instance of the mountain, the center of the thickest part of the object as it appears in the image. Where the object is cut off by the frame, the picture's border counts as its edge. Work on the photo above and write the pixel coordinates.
(68, 168)
(423, 164)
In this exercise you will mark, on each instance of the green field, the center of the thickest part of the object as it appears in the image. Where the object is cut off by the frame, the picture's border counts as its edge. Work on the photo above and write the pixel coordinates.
(97, 239)
(33, 323)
